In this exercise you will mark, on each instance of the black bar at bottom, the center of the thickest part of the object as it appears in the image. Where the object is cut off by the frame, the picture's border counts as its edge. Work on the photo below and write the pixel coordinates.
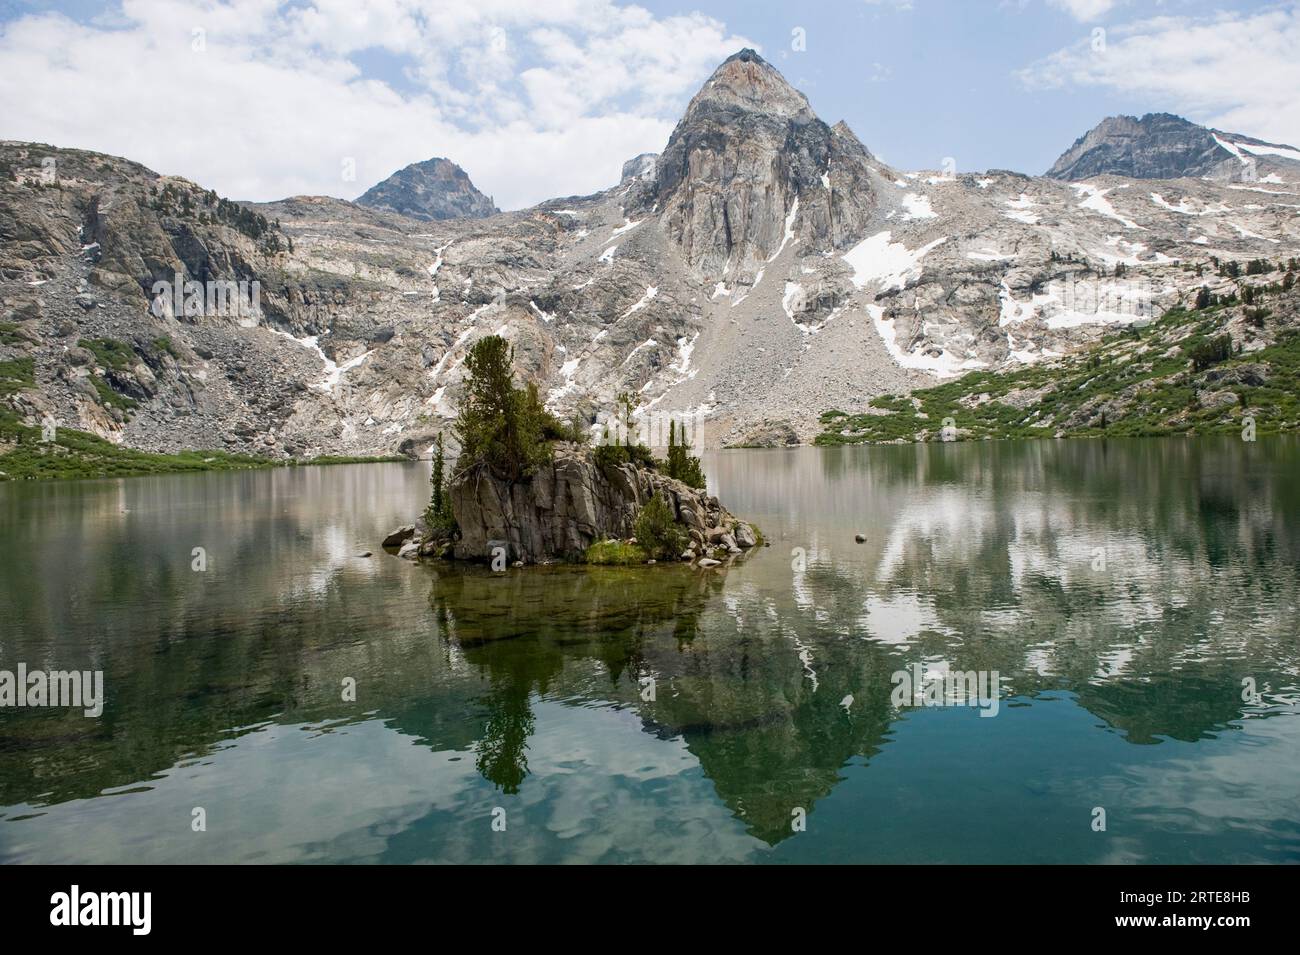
(213, 904)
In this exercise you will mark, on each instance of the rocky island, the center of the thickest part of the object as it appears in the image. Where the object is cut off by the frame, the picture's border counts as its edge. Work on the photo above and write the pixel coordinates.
(528, 489)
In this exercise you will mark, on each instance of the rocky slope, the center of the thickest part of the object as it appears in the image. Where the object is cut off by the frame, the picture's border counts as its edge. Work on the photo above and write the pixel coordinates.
(1164, 146)
(433, 189)
(1225, 362)
(764, 268)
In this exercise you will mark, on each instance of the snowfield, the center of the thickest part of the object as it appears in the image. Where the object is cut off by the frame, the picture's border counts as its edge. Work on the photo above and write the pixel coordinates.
(889, 264)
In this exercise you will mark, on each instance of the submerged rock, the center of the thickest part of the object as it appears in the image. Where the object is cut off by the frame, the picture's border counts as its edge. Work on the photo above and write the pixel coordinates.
(400, 536)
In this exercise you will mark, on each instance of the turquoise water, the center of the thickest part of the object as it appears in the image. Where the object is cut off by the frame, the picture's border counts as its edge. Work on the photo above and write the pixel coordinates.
(1121, 590)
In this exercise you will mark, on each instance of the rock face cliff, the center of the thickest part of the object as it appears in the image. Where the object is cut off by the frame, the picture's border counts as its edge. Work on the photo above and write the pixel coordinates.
(750, 167)
(429, 190)
(1164, 146)
(574, 502)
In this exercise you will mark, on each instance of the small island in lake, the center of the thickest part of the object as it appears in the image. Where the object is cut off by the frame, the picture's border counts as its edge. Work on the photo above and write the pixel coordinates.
(529, 489)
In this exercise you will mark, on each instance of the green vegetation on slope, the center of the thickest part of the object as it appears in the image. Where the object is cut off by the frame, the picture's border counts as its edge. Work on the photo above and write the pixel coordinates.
(78, 454)
(110, 353)
(11, 334)
(204, 205)
(1186, 373)
(16, 374)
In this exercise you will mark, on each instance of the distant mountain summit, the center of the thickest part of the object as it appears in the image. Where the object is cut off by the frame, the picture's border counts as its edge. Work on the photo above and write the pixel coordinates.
(1165, 146)
(639, 167)
(433, 189)
(750, 167)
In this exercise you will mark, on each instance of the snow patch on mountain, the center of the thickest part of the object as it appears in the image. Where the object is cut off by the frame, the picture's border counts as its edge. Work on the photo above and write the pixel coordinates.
(627, 226)
(650, 292)
(937, 361)
(794, 299)
(917, 206)
(334, 372)
(1067, 305)
(567, 371)
(685, 348)
(889, 264)
(1095, 201)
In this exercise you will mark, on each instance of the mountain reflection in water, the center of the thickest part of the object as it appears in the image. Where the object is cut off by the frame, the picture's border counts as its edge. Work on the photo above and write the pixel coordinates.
(1123, 591)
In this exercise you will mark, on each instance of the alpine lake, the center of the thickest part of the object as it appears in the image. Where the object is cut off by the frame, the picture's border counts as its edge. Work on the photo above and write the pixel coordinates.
(1131, 604)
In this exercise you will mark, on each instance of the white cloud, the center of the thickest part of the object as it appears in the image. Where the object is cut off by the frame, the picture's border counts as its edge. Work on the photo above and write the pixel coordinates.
(1084, 10)
(1234, 71)
(533, 99)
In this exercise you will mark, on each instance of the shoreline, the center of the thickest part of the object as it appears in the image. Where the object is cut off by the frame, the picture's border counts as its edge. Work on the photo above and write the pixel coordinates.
(206, 463)
(87, 457)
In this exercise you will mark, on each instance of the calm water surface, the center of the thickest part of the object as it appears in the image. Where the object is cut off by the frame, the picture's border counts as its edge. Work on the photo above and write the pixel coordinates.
(1122, 683)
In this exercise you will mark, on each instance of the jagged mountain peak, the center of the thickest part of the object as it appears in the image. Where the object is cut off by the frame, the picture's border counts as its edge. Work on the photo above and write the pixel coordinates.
(750, 171)
(434, 189)
(1164, 146)
(746, 55)
(746, 81)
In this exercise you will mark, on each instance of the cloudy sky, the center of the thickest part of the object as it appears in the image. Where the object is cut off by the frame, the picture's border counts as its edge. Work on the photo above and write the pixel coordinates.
(261, 99)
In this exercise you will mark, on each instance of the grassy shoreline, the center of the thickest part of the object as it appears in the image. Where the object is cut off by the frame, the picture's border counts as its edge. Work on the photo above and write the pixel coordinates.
(75, 455)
